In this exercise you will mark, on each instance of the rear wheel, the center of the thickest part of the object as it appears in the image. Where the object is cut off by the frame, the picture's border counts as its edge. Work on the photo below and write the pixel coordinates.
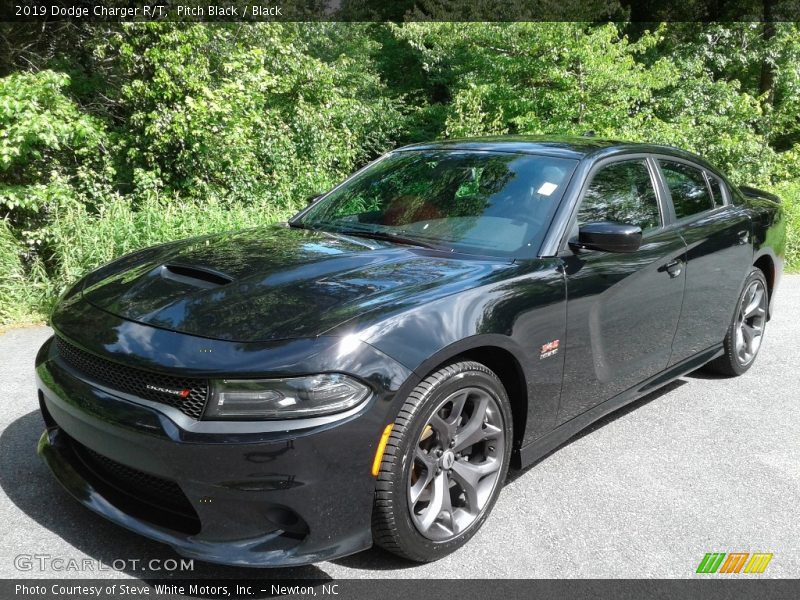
(444, 464)
(746, 332)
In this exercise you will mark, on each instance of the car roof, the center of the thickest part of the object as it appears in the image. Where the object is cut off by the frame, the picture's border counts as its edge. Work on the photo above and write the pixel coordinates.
(574, 147)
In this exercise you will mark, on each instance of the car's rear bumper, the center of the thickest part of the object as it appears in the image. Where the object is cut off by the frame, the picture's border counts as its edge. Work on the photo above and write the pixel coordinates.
(260, 499)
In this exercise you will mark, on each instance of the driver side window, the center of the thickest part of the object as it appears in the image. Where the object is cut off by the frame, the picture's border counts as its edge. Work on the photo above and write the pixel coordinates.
(621, 192)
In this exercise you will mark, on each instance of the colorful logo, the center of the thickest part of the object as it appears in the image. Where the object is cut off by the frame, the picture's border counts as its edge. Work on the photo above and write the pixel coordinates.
(549, 349)
(155, 388)
(734, 562)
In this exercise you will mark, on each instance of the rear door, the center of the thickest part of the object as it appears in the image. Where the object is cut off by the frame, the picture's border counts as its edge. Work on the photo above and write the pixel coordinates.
(719, 252)
(622, 309)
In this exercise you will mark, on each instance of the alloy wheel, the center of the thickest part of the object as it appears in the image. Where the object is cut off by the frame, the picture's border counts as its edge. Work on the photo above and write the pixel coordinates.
(456, 464)
(750, 322)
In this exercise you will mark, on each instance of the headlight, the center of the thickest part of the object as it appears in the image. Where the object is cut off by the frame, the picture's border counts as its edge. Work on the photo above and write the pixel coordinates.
(249, 399)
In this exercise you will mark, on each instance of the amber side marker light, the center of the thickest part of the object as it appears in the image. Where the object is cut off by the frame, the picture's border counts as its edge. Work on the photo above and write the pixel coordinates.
(376, 464)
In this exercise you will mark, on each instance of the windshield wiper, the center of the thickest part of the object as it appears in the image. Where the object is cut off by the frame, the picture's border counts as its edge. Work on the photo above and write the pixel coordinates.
(355, 231)
(386, 237)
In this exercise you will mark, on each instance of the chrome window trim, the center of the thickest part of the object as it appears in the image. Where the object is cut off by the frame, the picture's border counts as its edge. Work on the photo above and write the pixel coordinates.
(723, 190)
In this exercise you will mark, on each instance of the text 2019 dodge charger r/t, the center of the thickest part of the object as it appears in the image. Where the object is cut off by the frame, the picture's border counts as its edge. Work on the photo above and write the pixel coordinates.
(368, 370)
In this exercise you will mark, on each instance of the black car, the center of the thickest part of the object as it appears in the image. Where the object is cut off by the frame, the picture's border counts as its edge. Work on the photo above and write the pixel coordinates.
(367, 371)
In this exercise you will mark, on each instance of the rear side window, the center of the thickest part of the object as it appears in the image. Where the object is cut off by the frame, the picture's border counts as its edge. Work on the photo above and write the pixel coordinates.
(688, 188)
(716, 191)
(621, 192)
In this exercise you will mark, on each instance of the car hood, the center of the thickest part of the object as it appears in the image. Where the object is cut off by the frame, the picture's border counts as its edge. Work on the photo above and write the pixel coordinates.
(275, 282)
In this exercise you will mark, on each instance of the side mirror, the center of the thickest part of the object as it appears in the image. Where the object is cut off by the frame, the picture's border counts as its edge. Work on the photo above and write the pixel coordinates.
(608, 237)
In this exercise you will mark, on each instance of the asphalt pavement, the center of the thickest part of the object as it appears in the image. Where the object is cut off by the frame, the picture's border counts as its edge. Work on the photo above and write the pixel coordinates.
(705, 465)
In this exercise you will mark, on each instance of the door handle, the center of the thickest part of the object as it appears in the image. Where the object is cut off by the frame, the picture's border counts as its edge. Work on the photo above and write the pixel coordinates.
(674, 267)
(744, 237)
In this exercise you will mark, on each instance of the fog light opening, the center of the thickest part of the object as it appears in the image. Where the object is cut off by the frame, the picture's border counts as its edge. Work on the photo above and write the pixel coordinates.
(49, 422)
(287, 520)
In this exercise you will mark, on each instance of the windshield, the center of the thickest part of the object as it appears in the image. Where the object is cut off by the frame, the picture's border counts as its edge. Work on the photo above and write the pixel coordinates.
(477, 202)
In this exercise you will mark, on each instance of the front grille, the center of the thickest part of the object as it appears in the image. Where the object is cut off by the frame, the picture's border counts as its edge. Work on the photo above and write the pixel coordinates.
(136, 381)
(125, 484)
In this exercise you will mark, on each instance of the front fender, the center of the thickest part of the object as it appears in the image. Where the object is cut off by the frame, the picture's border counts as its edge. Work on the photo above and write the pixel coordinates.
(516, 316)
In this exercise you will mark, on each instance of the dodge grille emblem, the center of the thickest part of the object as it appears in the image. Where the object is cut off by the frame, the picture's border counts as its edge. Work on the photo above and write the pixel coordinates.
(182, 393)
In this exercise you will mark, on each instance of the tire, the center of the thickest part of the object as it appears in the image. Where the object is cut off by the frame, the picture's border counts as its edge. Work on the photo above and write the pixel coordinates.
(747, 327)
(443, 448)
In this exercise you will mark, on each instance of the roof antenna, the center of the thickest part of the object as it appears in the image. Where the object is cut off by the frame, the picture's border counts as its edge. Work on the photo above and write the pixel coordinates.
(589, 133)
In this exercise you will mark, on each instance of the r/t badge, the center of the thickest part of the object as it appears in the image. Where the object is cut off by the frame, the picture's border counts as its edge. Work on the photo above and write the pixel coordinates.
(549, 349)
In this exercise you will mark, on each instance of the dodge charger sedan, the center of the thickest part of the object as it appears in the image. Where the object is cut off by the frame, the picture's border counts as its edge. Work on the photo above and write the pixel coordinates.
(369, 371)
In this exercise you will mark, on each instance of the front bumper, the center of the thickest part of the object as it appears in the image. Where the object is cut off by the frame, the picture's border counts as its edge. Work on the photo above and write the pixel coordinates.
(271, 498)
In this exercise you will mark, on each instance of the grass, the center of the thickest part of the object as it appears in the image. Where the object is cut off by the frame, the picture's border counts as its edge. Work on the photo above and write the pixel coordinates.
(20, 325)
(80, 240)
(790, 197)
(20, 289)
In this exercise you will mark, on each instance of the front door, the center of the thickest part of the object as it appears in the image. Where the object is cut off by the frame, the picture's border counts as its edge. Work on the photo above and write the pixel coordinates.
(622, 309)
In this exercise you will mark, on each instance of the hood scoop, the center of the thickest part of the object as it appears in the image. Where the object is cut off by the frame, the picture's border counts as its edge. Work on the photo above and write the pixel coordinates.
(196, 276)
(276, 283)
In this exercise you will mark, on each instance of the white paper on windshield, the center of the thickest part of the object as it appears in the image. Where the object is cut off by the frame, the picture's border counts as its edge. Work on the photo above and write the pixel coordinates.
(547, 188)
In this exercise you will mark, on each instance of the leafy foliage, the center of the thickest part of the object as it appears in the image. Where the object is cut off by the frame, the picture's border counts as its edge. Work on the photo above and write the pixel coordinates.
(115, 136)
(242, 113)
(49, 149)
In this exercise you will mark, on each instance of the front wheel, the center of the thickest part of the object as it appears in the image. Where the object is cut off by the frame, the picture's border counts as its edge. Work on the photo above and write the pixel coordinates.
(746, 331)
(444, 464)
